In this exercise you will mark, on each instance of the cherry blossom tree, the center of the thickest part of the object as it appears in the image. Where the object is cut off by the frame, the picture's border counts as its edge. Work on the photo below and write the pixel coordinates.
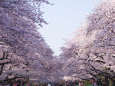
(95, 44)
(23, 50)
(101, 53)
(73, 57)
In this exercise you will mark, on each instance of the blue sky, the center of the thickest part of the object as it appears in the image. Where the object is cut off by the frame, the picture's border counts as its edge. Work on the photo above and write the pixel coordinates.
(63, 18)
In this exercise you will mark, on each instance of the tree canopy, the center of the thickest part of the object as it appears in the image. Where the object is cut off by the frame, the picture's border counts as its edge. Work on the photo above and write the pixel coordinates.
(25, 54)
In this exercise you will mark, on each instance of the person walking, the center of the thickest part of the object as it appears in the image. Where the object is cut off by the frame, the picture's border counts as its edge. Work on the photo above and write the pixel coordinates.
(49, 85)
(80, 83)
(95, 84)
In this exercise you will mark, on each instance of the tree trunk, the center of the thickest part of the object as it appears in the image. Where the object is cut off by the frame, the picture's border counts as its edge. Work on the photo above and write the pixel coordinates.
(106, 80)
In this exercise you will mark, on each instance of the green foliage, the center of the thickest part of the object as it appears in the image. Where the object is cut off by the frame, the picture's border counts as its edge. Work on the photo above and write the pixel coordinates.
(87, 82)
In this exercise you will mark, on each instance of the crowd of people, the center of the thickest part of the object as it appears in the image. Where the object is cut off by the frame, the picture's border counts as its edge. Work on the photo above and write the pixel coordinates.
(60, 83)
